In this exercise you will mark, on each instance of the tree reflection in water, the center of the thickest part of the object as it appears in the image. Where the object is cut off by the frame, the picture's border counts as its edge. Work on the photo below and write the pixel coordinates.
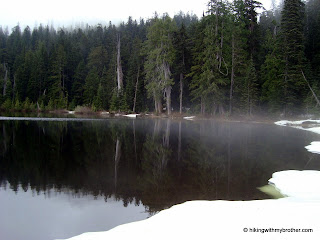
(156, 162)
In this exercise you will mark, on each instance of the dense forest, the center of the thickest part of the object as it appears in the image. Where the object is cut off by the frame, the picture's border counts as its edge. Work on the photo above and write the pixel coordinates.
(233, 60)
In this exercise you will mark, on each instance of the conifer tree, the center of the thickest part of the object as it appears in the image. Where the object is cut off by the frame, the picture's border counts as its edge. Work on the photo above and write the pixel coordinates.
(159, 60)
(293, 53)
(250, 89)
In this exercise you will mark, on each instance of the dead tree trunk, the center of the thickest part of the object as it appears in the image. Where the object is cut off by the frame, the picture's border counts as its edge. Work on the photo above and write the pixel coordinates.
(313, 93)
(203, 106)
(179, 143)
(157, 103)
(135, 92)
(5, 80)
(168, 99)
(232, 75)
(181, 91)
(119, 67)
(168, 88)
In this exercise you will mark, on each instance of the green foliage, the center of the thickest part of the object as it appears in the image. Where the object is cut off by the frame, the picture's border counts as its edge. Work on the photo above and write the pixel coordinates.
(26, 105)
(17, 105)
(293, 53)
(97, 103)
(250, 89)
(7, 105)
(114, 104)
(90, 87)
(160, 55)
(67, 68)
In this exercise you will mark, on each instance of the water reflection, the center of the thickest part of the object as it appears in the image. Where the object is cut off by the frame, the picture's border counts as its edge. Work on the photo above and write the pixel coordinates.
(158, 163)
(52, 215)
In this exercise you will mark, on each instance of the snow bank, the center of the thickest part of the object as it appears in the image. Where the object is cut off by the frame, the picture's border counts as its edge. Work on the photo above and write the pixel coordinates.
(131, 115)
(314, 147)
(223, 220)
(189, 118)
(290, 123)
(299, 184)
(235, 219)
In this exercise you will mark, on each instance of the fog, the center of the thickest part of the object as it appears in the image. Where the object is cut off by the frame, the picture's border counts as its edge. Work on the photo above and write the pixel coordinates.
(61, 13)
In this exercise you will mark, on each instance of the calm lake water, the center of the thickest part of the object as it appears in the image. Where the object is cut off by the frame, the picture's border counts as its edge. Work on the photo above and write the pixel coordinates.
(62, 178)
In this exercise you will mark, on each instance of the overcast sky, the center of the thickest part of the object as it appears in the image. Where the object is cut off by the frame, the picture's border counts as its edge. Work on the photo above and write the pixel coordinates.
(66, 12)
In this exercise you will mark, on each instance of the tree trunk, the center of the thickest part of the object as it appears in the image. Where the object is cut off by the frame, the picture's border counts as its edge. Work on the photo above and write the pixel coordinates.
(5, 80)
(119, 67)
(313, 93)
(135, 92)
(203, 107)
(232, 75)
(157, 103)
(168, 88)
(14, 87)
(168, 99)
(181, 91)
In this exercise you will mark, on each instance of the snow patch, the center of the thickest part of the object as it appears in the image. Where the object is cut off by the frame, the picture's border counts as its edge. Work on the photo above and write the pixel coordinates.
(290, 123)
(299, 184)
(222, 220)
(189, 118)
(131, 115)
(314, 147)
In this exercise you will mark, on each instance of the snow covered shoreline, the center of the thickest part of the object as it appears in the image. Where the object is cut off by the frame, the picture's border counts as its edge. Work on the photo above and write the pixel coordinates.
(295, 216)
(314, 147)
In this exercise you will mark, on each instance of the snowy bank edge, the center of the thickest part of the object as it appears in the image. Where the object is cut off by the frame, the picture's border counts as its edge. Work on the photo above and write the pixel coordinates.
(208, 220)
(314, 147)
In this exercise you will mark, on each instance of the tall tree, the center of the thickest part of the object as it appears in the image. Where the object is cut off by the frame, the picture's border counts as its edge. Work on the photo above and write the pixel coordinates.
(119, 66)
(160, 57)
(293, 53)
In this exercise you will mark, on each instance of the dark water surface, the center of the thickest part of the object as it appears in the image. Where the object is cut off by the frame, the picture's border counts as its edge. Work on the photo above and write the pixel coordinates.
(62, 178)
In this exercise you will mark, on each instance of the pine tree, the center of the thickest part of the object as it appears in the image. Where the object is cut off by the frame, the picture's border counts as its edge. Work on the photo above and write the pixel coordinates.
(293, 53)
(160, 57)
(57, 91)
(210, 74)
(250, 89)
(78, 84)
(90, 87)
(271, 74)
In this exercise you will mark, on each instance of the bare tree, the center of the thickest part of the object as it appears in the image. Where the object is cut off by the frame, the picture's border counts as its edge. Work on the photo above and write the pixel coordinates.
(119, 67)
(135, 92)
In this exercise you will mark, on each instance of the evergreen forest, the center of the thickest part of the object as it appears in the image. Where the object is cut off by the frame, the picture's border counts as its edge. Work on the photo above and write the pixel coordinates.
(238, 58)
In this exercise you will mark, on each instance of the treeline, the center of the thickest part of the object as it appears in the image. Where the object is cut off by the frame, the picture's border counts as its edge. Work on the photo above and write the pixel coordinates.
(232, 60)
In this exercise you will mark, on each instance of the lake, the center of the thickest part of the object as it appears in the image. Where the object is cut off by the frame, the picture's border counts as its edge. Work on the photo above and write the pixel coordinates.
(63, 177)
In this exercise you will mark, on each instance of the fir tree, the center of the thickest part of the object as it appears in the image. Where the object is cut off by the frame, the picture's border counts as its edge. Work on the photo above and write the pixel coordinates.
(293, 53)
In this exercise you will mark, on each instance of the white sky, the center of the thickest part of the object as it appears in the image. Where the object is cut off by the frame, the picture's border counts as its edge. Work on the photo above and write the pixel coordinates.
(66, 12)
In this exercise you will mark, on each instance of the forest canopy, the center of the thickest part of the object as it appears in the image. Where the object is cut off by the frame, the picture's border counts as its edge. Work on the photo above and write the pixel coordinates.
(237, 59)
